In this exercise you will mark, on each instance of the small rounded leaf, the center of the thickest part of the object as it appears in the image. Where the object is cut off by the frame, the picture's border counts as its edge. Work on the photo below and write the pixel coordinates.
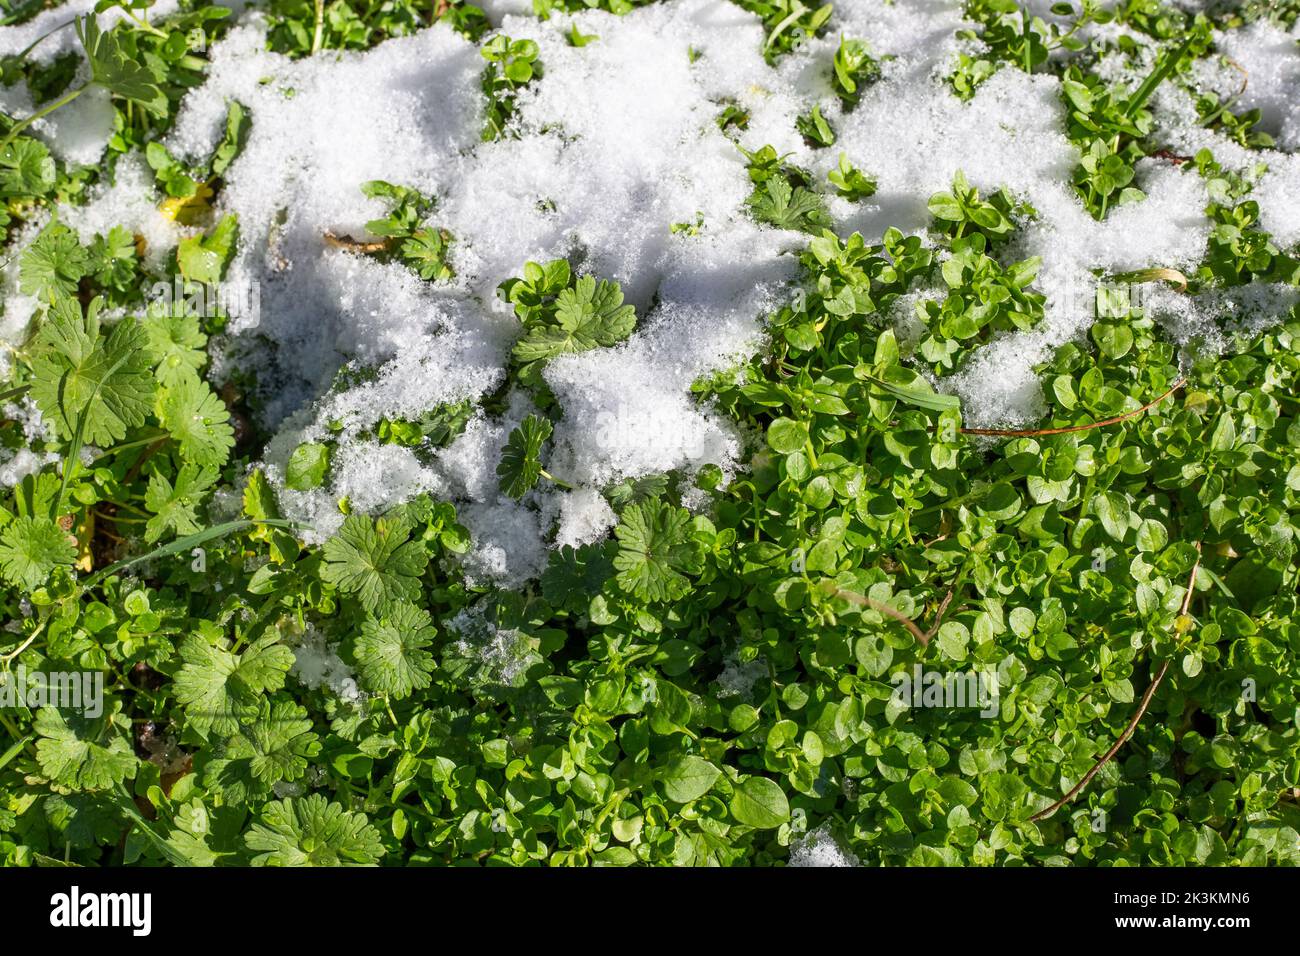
(760, 803)
(688, 778)
(307, 466)
(786, 435)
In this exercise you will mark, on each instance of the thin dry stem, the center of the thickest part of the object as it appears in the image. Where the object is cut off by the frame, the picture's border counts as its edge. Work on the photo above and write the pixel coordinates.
(1034, 432)
(1137, 715)
(355, 245)
(863, 601)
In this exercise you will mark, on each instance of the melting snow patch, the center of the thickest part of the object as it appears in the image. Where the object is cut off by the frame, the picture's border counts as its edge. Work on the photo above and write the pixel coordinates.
(819, 848)
(615, 145)
(502, 653)
(1208, 321)
(1271, 60)
(585, 517)
(316, 664)
(738, 680)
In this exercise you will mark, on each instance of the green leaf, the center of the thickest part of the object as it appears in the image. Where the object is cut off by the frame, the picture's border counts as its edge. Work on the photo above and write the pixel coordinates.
(113, 67)
(220, 689)
(520, 465)
(945, 206)
(204, 258)
(175, 507)
(311, 831)
(589, 315)
(954, 638)
(238, 125)
(198, 420)
(375, 561)
(190, 842)
(850, 182)
(760, 803)
(779, 204)
(426, 252)
(307, 466)
(688, 778)
(276, 745)
(1224, 436)
(175, 341)
(786, 435)
(653, 550)
(26, 170)
(921, 397)
(51, 267)
(79, 372)
(32, 547)
(83, 753)
(1152, 536)
(1112, 509)
(390, 653)
(259, 499)
(576, 574)
(173, 176)
(113, 261)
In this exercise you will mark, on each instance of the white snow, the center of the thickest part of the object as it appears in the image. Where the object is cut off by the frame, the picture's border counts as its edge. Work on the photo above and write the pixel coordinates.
(1271, 59)
(738, 679)
(1211, 318)
(317, 664)
(819, 848)
(23, 462)
(78, 132)
(502, 652)
(585, 517)
(616, 143)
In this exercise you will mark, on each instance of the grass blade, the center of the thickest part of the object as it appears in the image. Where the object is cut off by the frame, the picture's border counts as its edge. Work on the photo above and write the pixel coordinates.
(181, 545)
(1164, 66)
(921, 398)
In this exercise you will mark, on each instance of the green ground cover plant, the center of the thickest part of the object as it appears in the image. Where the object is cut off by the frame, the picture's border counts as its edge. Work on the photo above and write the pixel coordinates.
(715, 681)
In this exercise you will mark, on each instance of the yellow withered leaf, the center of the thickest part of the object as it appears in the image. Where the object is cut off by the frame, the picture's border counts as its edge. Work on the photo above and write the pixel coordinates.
(85, 534)
(187, 210)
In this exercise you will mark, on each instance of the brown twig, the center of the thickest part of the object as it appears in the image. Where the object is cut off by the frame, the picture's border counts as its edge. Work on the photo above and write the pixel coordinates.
(354, 245)
(1137, 715)
(149, 452)
(938, 615)
(104, 531)
(1245, 75)
(1034, 432)
(863, 601)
